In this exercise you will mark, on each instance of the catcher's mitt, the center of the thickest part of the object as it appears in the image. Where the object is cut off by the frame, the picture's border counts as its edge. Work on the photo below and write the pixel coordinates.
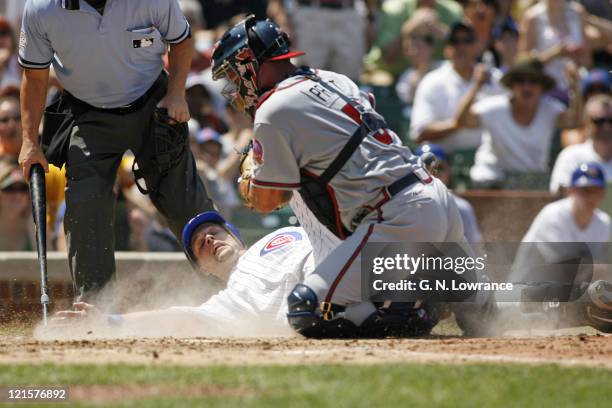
(246, 172)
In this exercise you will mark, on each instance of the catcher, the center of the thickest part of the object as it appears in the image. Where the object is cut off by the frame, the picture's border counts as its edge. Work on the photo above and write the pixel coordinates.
(317, 134)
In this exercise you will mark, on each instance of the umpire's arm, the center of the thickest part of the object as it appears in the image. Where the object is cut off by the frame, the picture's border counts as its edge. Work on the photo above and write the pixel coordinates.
(179, 61)
(33, 97)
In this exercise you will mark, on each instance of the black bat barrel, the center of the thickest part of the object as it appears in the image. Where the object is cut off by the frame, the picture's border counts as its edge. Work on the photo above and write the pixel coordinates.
(39, 210)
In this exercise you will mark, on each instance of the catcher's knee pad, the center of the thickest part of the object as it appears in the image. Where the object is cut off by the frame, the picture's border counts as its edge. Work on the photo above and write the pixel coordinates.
(307, 318)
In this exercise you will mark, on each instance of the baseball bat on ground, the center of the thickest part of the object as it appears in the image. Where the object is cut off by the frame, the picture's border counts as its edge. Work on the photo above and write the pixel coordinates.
(39, 210)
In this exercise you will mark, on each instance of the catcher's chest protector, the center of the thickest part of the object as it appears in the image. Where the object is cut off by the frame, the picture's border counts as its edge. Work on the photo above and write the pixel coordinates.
(316, 190)
(319, 195)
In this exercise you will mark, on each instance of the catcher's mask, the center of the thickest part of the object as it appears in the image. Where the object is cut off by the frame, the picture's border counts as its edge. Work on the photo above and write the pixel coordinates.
(202, 218)
(239, 54)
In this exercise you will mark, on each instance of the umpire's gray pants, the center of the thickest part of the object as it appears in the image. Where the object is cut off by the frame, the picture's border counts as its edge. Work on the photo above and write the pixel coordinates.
(97, 143)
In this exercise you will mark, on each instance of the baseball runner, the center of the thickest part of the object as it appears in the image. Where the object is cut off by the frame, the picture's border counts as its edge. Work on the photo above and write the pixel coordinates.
(259, 279)
(254, 300)
(318, 135)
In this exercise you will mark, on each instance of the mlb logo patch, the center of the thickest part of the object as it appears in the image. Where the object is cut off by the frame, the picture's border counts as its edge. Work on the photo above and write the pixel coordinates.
(143, 42)
(279, 241)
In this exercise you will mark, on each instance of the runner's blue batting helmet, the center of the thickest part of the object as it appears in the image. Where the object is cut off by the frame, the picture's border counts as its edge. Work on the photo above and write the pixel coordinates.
(202, 218)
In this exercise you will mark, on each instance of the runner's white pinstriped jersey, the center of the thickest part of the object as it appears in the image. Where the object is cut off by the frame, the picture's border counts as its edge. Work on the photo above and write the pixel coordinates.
(322, 240)
(255, 299)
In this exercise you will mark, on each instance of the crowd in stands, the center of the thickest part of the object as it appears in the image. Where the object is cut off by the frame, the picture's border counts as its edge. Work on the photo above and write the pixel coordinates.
(509, 94)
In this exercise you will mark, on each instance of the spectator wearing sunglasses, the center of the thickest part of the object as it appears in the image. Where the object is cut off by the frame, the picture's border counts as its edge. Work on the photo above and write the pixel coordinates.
(10, 73)
(597, 148)
(597, 82)
(481, 15)
(419, 35)
(441, 90)
(16, 227)
(520, 125)
(10, 129)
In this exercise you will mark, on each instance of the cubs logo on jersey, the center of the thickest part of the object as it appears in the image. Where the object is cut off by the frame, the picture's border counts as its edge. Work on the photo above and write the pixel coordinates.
(279, 241)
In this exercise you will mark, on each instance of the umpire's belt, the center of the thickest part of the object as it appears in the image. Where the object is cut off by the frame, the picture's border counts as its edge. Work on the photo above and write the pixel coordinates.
(157, 90)
(330, 4)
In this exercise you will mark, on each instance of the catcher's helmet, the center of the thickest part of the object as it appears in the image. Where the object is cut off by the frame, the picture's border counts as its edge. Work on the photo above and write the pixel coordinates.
(202, 218)
(238, 55)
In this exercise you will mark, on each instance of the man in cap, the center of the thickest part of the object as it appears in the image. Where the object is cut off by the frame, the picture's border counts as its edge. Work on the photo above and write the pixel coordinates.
(519, 125)
(576, 218)
(571, 236)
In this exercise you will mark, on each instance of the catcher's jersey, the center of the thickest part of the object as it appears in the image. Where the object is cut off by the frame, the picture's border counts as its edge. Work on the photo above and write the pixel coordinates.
(255, 299)
(301, 125)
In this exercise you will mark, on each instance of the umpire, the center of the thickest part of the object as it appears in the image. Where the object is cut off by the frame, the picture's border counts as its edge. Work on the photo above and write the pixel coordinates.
(107, 54)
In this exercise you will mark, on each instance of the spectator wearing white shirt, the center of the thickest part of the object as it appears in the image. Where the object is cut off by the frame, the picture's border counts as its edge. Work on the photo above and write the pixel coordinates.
(577, 217)
(597, 148)
(565, 247)
(440, 91)
(519, 126)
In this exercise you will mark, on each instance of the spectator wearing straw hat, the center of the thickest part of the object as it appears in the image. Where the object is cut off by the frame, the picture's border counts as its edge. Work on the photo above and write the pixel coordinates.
(519, 125)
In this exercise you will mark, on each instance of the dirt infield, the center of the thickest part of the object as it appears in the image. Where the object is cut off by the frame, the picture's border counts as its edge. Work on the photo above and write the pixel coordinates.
(580, 349)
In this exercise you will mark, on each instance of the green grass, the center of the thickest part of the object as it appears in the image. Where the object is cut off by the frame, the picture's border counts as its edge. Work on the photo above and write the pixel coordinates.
(406, 385)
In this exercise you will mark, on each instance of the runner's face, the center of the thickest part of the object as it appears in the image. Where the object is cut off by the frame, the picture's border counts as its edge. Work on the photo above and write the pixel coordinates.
(215, 249)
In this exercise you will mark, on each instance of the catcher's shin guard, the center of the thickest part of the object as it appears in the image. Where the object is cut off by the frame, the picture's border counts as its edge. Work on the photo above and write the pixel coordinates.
(398, 320)
(306, 317)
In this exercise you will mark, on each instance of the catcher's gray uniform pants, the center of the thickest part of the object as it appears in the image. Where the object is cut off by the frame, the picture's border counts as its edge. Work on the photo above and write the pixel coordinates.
(419, 213)
(97, 143)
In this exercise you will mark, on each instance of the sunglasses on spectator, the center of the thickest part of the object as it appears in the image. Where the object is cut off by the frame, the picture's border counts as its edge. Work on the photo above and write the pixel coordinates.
(462, 40)
(599, 122)
(16, 188)
(4, 32)
(16, 118)
(529, 81)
